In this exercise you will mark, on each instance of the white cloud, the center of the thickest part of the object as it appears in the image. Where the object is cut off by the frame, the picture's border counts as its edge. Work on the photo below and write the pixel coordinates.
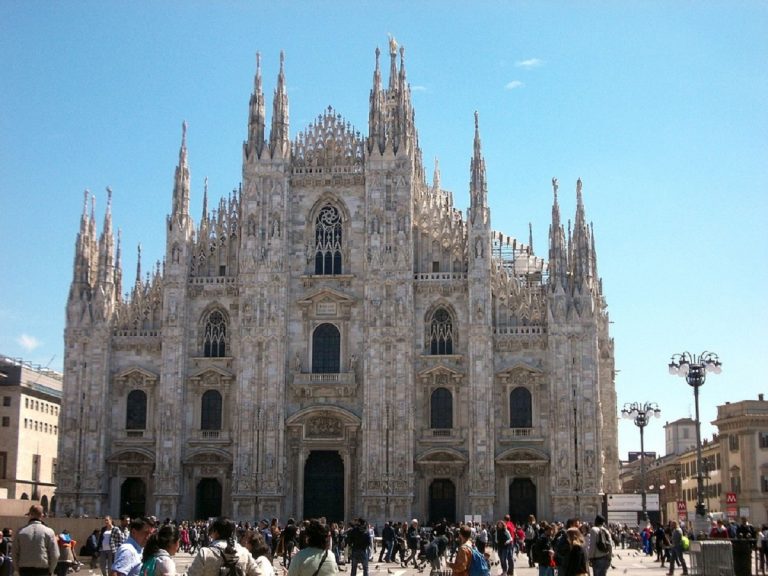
(514, 84)
(529, 63)
(418, 88)
(28, 342)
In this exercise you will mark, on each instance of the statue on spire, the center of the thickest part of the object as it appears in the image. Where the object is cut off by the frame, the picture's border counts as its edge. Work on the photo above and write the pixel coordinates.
(392, 45)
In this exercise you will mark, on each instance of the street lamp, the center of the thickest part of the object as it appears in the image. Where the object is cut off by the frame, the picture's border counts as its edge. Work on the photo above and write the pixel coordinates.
(694, 369)
(641, 413)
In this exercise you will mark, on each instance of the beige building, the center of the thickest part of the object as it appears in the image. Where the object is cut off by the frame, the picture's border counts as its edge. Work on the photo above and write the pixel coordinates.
(734, 461)
(29, 430)
(338, 339)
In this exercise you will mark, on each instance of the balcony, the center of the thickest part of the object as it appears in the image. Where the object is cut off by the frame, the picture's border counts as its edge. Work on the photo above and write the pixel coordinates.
(134, 437)
(209, 437)
(333, 385)
(515, 435)
(442, 435)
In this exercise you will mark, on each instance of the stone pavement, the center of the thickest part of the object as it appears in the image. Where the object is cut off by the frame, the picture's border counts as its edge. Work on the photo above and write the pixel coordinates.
(626, 563)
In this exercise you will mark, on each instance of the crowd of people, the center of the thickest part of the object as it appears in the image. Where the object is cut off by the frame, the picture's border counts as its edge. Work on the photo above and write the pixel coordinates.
(221, 547)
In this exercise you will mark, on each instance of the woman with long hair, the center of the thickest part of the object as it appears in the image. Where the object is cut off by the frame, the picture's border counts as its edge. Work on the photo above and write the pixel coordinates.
(576, 560)
(257, 546)
(156, 559)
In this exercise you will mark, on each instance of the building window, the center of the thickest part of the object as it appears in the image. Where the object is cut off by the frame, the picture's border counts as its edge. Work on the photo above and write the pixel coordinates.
(520, 409)
(210, 411)
(54, 465)
(763, 439)
(6, 400)
(328, 241)
(215, 338)
(26, 402)
(736, 484)
(441, 333)
(3, 465)
(136, 410)
(441, 409)
(6, 421)
(733, 442)
(764, 484)
(326, 350)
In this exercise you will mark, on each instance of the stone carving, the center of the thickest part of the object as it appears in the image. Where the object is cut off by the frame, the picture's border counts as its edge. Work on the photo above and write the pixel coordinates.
(323, 427)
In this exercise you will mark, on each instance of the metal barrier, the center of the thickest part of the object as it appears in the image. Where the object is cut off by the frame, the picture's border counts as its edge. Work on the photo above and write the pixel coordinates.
(711, 558)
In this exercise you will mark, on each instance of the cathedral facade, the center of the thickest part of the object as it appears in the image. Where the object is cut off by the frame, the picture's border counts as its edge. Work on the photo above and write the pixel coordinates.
(337, 339)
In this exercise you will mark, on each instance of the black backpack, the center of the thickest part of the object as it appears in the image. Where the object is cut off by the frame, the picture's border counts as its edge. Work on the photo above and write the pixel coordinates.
(229, 564)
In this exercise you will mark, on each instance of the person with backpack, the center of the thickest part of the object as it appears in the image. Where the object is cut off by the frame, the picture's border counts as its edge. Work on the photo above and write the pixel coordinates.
(157, 556)
(461, 563)
(67, 556)
(223, 557)
(542, 552)
(530, 534)
(599, 547)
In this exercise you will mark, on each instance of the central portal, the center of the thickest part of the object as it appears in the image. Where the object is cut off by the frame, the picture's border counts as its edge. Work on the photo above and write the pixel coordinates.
(324, 486)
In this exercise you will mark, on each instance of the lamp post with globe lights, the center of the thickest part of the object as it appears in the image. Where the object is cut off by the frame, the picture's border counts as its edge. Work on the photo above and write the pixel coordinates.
(641, 414)
(694, 369)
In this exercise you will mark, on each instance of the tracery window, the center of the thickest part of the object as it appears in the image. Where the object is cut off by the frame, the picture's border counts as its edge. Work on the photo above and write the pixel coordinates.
(210, 410)
(215, 336)
(136, 410)
(326, 350)
(441, 333)
(520, 410)
(328, 241)
(441, 409)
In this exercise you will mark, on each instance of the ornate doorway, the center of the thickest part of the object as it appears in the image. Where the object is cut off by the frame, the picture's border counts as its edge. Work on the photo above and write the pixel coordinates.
(442, 500)
(208, 499)
(522, 499)
(324, 486)
(133, 497)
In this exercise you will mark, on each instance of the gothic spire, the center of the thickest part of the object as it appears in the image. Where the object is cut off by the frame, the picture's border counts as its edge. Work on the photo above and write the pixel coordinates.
(478, 185)
(256, 116)
(392, 65)
(83, 254)
(436, 175)
(375, 113)
(204, 217)
(119, 267)
(558, 257)
(279, 144)
(106, 244)
(138, 268)
(180, 209)
(581, 244)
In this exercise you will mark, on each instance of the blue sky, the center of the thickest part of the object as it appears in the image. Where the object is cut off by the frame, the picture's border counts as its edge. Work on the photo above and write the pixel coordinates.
(660, 107)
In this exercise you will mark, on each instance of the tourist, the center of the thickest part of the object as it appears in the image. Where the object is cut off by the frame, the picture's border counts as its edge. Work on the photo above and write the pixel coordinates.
(314, 559)
(157, 556)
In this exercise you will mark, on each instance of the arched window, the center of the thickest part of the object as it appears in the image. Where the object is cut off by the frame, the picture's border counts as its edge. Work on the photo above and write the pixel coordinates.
(520, 410)
(326, 350)
(215, 337)
(441, 409)
(210, 411)
(441, 333)
(136, 410)
(328, 241)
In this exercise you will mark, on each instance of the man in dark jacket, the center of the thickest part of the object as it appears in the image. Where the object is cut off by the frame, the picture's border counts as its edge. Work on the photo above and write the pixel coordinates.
(387, 542)
(359, 540)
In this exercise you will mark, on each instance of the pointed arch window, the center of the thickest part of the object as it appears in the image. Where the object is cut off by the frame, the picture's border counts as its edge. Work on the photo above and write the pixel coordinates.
(441, 333)
(210, 410)
(136, 410)
(326, 350)
(215, 336)
(441, 409)
(520, 409)
(328, 241)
